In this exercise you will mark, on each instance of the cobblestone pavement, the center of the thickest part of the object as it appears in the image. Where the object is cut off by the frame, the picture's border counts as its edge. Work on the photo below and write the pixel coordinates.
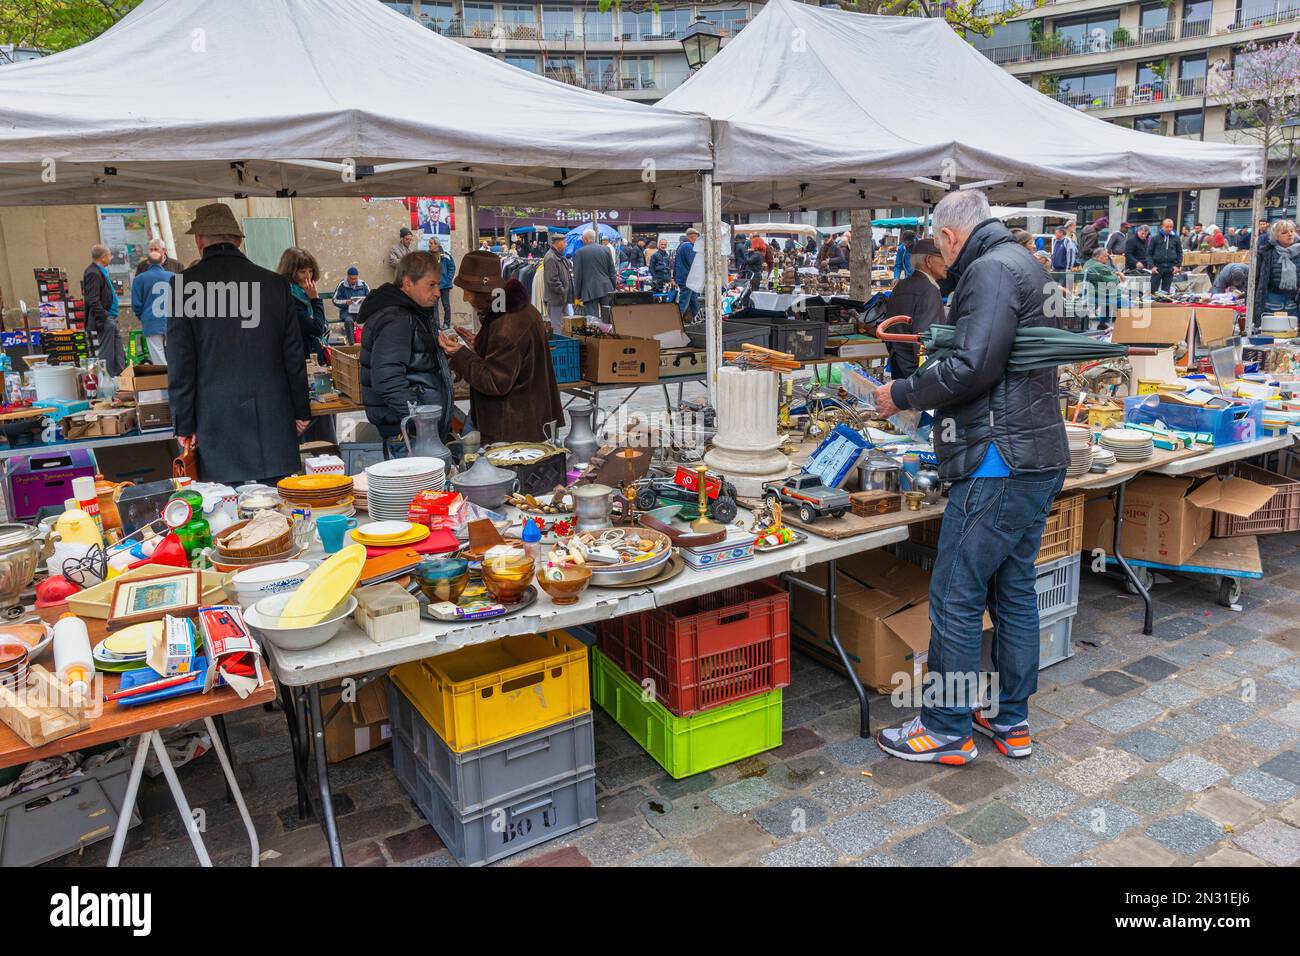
(1179, 749)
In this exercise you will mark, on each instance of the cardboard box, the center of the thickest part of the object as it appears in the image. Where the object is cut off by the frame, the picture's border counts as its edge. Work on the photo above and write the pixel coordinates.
(99, 424)
(1213, 325)
(140, 378)
(661, 321)
(1167, 518)
(359, 726)
(154, 416)
(1153, 325)
(620, 358)
(1158, 367)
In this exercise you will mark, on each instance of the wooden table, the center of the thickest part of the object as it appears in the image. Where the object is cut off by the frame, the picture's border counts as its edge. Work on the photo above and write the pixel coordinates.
(146, 720)
(338, 406)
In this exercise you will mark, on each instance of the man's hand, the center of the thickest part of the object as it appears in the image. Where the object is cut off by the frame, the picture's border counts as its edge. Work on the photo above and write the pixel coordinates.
(449, 345)
(885, 406)
(187, 442)
(301, 425)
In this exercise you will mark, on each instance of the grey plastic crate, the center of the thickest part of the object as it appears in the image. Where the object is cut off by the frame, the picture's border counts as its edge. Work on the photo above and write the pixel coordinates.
(806, 341)
(498, 772)
(734, 335)
(1055, 638)
(62, 817)
(503, 829)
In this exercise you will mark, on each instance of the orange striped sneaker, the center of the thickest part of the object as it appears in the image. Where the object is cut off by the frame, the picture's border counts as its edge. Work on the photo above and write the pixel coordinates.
(912, 742)
(1014, 742)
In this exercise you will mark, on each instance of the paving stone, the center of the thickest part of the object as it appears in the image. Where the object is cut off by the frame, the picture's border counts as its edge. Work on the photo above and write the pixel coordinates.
(1284, 765)
(1134, 851)
(1194, 651)
(1239, 667)
(1265, 655)
(624, 805)
(1105, 819)
(1058, 843)
(856, 752)
(1272, 840)
(732, 839)
(1151, 668)
(834, 698)
(1263, 787)
(1002, 857)
(1177, 628)
(697, 783)
(1112, 683)
(808, 851)
(937, 846)
(683, 817)
(801, 771)
(1230, 753)
(915, 808)
(610, 846)
(989, 823)
(1226, 856)
(1226, 710)
(1289, 715)
(791, 817)
(1042, 799)
(877, 859)
(1288, 674)
(1192, 772)
(1077, 738)
(1125, 715)
(894, 773)
(1208, 677)
(1172, 694)
(1148, 795)
(744, 795)
(1234, 634)
(566, 856)
(1149, 745)
(846, 792)
(1041, 761)
(1100, 772)
(615, 775)
(1226, 807)
(672, 857)
(795, 741)
(1186, 834)
(1187, 728)
(974, 782)
(1070, 701)
(857, 833)
(1267, 735)
(798, 711)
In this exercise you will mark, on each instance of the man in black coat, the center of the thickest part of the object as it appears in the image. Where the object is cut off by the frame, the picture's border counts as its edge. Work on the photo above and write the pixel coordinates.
(236, 372)
(594, 278)
(1137, 249)
(661, 270)
(636, 254)
(102, 309)
(1001, 442)
(1166, 256)
(918, 297)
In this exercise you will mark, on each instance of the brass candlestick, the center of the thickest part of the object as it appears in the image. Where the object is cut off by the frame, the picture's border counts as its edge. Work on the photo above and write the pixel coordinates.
(702, 524)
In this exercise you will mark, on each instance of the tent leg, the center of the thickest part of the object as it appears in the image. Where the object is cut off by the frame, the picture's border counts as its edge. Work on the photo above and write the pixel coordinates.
(1256, 214)
(714, 274)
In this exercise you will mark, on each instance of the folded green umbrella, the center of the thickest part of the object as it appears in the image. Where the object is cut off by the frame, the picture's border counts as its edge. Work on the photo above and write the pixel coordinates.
(1033, 348)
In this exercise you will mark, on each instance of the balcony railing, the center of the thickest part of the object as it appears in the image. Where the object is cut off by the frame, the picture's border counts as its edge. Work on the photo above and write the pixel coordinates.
(1145, 94)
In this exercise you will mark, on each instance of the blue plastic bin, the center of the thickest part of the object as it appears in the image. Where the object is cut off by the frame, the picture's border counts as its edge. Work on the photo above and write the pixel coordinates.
(1239, 422)
(566, 359)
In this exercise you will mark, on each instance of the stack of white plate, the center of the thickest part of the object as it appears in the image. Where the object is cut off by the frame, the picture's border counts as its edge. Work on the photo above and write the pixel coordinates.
(1102, 456)
(390, 485)
(1080, 439)
(1128, 444)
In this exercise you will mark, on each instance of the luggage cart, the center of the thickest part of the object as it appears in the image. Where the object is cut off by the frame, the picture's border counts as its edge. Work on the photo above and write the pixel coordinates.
(1231, 559)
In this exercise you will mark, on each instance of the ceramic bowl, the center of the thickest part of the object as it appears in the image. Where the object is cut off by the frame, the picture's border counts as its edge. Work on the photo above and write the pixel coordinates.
(442, 579)
(572, 580)
(641, 570)
(264, 617)
(507, 578)
(250, 585)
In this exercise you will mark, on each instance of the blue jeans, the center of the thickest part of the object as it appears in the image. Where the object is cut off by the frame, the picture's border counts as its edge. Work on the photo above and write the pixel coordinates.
(686, 300)
(990, 537)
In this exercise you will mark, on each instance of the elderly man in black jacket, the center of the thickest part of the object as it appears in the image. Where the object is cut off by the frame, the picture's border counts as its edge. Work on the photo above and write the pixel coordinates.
(917, 296)
(236, 369)
(1166, 256)
(1001, 442)
(102, 308)
(1137, 249)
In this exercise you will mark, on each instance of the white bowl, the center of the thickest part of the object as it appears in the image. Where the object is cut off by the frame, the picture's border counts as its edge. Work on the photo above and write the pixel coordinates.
(249, 586)
(264, 617)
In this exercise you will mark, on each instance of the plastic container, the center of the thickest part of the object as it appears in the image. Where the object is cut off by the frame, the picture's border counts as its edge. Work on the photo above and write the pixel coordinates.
(1242, 421)
(495, 691)
(73, 663)
(1280, 513)
(806, 341)
(687, 745)
(708, 651)
(734, 335)
(566, 359)
(1054, 644)
(1057, 586)
(493, 833)
(498, 772)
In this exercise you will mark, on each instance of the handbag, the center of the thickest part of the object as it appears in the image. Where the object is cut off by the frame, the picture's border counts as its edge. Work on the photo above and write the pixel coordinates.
(186, 464)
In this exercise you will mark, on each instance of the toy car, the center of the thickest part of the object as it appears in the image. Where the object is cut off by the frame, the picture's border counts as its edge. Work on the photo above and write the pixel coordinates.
(809, 495)
(681, 489)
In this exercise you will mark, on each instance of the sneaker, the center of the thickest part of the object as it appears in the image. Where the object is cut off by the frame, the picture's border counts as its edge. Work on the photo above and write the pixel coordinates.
(1014, 742)
(912, 742)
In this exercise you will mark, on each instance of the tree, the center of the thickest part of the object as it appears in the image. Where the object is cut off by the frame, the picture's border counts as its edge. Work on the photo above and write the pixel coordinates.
(967, 17)
(1261, 93)
(54, 25)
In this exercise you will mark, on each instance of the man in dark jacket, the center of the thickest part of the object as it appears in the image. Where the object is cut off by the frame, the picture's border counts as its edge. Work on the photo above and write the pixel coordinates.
(594, 278)
(101, 310)
(916, 296)
(660, 270)
(236, 370)
(158, 253)
(1166, 256)
(681, 269)
(1001, 442)
(1137, 250)
(557, 275)
(1090, 237)
(1116, 240)
(636, 254)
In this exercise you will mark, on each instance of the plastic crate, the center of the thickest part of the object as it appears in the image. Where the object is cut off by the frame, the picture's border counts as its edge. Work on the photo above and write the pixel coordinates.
(498, 772)
(734, 335)
(686, 745)
(1054, 640)
(1056, 583)
(501, 830)
(1242, 421)
(806, 341)
(62, 817)
(565, 358)
(1062, 534)
(483, 693)
(707, 651)
(1280, 513)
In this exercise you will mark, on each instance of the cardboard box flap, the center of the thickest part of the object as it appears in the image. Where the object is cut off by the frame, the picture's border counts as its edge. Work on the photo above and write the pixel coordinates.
(1215, 325)
(1158, 486)
(912, 627)
(371, 705)
(882, 570)
(660, 320)
(1152, 325)
(869, 602)
(1235, 496)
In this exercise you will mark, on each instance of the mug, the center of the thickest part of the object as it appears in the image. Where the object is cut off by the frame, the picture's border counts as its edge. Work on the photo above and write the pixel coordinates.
(331, 529)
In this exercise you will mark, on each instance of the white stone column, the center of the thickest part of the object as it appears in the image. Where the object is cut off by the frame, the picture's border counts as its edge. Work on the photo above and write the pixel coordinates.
(745, 449)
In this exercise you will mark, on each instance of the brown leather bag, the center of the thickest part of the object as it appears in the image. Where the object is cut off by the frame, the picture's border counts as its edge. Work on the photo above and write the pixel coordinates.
(186, 464)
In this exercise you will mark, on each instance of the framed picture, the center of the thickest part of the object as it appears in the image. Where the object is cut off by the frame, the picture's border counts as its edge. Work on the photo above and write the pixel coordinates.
(150, 599)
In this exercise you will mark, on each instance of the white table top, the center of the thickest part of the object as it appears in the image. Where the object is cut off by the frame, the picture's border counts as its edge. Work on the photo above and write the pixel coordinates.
(351, 653)
(1226, 453)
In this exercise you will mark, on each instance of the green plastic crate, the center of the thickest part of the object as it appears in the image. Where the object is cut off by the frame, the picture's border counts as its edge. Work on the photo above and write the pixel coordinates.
(687, 745)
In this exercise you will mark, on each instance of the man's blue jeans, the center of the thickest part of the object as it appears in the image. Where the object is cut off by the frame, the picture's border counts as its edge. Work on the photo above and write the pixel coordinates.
(687, 301)
(990, 537)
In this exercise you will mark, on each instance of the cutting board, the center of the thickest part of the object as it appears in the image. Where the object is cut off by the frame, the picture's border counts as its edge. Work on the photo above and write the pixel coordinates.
(440, 541)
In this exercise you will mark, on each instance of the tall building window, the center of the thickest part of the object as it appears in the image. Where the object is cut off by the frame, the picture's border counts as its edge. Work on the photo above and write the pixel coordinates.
(563, 68)
(638, 73)
(405, 9)
(1154, 25)
(1150, 124)
(729, 21)
(673, 23)
(637, 26)
(1191, 75)
(479, 19)
(1188, 124)
(1260, 12)
(1196, 18)
(1088, 89)
(522, 62)
(600, 72)
(1088, 34)
(436, 16)
(520, 21)
(558, 23)
(597, 25)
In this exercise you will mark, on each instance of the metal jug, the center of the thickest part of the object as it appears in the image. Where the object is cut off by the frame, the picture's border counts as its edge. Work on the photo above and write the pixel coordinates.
(582, 441)
(420, 432)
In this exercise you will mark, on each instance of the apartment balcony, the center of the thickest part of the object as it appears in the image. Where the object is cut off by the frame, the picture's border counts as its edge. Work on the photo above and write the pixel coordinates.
(534, 39)
(1154, 96)
(608, 81)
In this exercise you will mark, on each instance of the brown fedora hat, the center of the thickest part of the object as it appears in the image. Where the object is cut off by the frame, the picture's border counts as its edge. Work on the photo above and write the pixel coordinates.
(479, 271)
(215, 219)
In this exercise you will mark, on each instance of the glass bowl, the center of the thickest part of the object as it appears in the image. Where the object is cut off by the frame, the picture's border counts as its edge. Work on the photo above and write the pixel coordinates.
(563, 584)
(442, 579)
(507, 578)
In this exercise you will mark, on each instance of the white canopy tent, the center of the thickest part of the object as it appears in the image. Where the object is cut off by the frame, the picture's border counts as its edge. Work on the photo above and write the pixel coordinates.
(1031, 212)
(187, 99)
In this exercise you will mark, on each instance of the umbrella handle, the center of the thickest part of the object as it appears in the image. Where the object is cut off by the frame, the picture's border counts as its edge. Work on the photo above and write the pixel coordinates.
(895, 336)
(1138, 351)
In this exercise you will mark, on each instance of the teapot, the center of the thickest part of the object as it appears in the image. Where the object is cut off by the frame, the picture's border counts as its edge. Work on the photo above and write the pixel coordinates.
(485, 484)
(419, 430)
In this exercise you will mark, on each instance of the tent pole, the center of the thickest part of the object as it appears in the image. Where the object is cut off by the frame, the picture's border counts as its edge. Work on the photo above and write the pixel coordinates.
(713, 278)
(1256, 214)
(165, 221)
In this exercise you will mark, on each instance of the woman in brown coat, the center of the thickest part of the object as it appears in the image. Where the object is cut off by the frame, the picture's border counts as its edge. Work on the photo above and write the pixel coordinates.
(513, 394)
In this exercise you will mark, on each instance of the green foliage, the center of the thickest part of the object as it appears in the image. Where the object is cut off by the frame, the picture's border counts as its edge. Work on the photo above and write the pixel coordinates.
(55, 25)
(964, 16)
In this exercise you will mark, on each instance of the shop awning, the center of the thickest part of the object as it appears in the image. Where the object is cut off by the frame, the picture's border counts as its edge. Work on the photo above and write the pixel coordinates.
(188, 99)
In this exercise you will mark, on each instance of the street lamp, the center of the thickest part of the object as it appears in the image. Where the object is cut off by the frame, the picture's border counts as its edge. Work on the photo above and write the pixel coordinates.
(700, 42)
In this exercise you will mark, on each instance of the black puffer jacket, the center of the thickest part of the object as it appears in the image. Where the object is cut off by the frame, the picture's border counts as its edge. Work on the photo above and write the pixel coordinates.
(1166, 251)
(1000, 288)
(1137, 251)
(401, 362)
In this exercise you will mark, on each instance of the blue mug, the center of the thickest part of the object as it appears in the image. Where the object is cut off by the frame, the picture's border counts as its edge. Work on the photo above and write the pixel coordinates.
(331, 529)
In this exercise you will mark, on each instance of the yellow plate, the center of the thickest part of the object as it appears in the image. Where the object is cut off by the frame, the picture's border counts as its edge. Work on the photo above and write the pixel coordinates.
(314, 482)
(325, 588)
(414, 536)
(134, 639)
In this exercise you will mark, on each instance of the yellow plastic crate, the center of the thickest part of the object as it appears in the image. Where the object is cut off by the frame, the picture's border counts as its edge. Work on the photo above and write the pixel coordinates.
(484, 693)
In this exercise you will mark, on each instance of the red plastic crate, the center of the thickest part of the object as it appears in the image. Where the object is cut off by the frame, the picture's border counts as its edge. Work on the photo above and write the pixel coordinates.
(707, 651)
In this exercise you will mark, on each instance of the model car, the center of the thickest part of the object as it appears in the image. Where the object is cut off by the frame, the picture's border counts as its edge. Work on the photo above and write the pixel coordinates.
(808, 494)
(683, 489)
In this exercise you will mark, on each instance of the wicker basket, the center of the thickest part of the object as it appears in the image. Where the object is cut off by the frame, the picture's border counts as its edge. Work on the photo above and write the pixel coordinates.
(267, 549)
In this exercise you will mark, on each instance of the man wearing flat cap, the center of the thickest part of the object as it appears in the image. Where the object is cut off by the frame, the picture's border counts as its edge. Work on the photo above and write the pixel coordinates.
(405, 243)
(237, 372)
(917, 296)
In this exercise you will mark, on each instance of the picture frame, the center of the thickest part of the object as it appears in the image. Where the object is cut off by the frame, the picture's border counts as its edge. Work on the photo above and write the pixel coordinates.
(149, 599)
